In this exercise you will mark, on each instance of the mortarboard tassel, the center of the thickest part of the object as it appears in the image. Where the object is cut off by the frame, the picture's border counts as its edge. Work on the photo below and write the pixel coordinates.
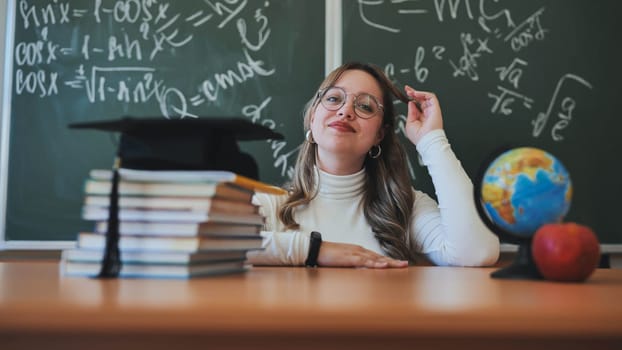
(111, 264)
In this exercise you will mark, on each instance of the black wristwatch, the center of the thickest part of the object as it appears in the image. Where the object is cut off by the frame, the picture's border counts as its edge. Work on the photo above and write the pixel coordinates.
(314, 249)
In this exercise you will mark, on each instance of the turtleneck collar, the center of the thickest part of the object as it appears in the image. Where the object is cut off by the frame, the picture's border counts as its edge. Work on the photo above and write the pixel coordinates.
(340, 186)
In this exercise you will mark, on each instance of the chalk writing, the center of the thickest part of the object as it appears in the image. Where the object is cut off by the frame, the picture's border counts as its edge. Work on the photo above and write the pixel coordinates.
(420, 72)
(48, 14)
(227, 13)
(567, 106)
(467, 63)
(160, 28)
(282, 161)
(438, 52)
(120, 61)
(495, 58)
(484, 19)
(210, 88)
(505, 99)
(38, 82)
(454, 6)
(262, 34)
(498, 28)
(526, 32)
(35, 53)
(512, 74)
(362, 4)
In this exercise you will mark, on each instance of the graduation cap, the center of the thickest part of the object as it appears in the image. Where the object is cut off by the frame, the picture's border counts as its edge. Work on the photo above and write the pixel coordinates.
(181, 144)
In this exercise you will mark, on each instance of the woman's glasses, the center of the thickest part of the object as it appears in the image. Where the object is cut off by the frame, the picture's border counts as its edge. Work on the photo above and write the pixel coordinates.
(365, 105)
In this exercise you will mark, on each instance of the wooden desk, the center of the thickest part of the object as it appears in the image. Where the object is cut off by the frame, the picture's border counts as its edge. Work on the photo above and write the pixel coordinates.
(298, 308)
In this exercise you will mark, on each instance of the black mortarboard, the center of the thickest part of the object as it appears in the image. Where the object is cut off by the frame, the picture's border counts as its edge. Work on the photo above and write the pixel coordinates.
(181, 144)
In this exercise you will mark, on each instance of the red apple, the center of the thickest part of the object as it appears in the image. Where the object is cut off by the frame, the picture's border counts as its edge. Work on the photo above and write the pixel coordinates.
(565, 251)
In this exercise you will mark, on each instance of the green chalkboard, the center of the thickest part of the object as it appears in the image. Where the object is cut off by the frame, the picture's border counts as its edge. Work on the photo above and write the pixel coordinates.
(541, 73)
(75, 61)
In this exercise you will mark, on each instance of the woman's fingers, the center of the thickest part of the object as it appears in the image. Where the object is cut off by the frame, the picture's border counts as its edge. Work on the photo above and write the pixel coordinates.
(421, 121)
(350, 255)
(423, 98)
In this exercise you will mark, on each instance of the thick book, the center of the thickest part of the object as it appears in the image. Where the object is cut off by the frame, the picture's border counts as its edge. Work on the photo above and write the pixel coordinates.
(91, 240)
(74, 268)
(213, 205)
(187, 189)
(128, 214)
(187, 176)
(163, 258)
(188, 229)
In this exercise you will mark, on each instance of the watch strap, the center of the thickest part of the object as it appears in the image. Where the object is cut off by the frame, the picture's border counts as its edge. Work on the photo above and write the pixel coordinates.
(315, 242)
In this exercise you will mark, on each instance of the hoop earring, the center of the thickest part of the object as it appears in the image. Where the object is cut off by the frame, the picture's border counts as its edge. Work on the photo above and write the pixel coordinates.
(309, 137)
(375, 151)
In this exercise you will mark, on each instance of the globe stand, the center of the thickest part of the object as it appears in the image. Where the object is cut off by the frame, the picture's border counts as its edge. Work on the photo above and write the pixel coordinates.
(523, 266)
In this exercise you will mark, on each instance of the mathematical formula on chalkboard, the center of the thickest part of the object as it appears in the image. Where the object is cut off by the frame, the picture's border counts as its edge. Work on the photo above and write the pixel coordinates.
(129, 56)
(103, 59)
(508, 73)
(492, 21)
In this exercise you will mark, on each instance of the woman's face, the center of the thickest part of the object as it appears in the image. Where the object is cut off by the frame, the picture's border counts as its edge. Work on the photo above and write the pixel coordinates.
(341, 133)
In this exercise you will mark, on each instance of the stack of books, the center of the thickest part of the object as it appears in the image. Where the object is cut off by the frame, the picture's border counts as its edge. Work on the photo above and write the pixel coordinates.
(172, 224)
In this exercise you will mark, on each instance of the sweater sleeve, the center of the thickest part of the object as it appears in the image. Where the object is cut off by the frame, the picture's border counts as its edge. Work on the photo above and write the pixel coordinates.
(280, 247)
(450, 233)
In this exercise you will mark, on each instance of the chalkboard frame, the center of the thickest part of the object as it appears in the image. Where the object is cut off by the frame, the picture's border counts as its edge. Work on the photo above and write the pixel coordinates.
(6, 44)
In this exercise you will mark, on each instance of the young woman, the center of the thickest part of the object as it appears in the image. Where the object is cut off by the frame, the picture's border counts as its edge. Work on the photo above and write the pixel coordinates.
(351, 185)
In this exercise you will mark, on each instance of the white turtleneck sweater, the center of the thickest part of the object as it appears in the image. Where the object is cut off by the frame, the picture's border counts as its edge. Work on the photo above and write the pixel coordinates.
(448, 233)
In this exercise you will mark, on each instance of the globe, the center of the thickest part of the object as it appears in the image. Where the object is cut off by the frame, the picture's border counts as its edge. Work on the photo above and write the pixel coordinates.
(524, 188)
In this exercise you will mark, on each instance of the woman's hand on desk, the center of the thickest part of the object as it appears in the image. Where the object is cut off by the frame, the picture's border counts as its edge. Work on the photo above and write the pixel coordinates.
(351, 255)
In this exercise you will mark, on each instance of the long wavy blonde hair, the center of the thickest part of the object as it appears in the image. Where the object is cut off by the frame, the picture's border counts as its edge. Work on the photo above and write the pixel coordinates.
(388, 199)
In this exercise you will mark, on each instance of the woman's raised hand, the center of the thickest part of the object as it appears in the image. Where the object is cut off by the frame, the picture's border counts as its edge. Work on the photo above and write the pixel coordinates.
(420, 122)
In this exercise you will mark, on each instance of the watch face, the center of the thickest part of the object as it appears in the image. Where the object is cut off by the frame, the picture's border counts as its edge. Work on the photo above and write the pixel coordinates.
(316, 235)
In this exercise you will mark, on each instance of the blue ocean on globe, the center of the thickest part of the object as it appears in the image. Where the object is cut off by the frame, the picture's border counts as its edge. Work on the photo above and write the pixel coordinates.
(525, 188)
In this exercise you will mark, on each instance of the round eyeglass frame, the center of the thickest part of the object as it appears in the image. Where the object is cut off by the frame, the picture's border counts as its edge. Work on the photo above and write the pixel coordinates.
(321, 93)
